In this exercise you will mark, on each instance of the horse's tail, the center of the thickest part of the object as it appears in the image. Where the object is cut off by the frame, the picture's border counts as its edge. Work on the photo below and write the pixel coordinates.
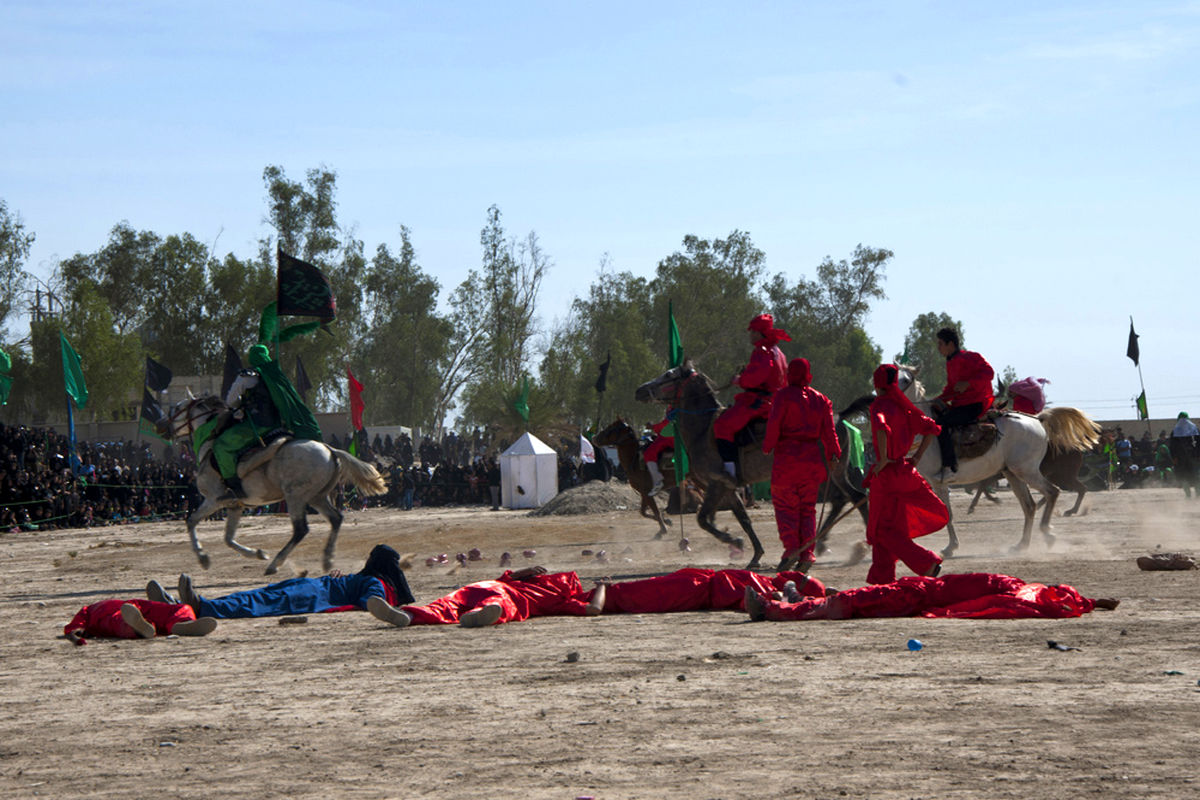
(364, 476)
(859, 406)
(1069, 429)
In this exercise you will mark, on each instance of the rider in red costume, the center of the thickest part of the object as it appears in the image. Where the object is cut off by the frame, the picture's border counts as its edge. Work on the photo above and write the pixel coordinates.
(800, 431)
(759, 380)
(968, 393)
(654, 451)
(902, 506)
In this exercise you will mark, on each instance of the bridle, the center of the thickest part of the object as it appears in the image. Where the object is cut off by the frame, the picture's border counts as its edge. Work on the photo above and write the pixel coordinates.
(182, 428)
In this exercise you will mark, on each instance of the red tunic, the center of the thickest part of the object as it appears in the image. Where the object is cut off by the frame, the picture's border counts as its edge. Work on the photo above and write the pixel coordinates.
(761, 378)
(969, 366)
(104, 618)
(902, 506)
(694, 589)
(558, 593)
(972, 595)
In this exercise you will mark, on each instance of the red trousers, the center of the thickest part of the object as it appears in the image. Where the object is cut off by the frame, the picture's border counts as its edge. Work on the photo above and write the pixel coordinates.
(655, 448)
(794, 488)
(747, 406)
(695, 589)
(104, 618)
(977, 595)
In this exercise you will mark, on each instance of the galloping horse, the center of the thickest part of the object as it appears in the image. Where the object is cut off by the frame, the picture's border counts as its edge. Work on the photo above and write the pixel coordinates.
(620, 434)
(300, 472)
(1017, 453)
(694, 399)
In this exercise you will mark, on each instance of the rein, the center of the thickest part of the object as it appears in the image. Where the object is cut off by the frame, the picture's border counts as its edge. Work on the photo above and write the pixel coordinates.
(187, 427)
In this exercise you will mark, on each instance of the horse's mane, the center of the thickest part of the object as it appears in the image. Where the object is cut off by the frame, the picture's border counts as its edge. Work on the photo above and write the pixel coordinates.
(859, 406)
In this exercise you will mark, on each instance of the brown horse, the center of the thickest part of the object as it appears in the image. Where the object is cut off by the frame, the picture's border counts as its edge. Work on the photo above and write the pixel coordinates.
(694, 399)
(620, 434)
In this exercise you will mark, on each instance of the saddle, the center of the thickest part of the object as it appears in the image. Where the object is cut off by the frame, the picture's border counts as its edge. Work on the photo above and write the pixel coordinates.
(975, 439)
(252, 457)
(751, 434)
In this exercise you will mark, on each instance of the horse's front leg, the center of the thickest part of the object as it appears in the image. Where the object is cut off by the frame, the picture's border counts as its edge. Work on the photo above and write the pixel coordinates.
(231, 524)
(1021, 491)
(708, 511)
(206, 509)
(739, 511)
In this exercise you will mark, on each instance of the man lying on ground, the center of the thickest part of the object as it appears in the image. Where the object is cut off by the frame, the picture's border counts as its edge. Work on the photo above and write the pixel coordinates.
(380, 577)
(977, 595)
(533, 592)
(130, 619)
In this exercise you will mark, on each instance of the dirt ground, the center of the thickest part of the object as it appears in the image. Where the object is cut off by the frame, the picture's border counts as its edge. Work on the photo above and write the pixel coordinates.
(696, 705)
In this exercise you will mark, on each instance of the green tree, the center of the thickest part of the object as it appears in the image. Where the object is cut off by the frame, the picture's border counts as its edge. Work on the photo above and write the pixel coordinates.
(511, 274)
(825, 318)
(405, 340)
(15, 243)
(920, 348)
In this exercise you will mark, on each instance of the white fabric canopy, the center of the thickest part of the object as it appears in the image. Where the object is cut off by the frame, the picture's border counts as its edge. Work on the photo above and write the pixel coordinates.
(528, 473)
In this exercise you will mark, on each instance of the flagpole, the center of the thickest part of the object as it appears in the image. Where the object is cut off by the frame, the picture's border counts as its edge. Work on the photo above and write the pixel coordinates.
(1142, 383)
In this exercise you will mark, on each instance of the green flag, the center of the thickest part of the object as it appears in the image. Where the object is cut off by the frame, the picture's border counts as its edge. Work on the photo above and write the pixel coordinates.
(5, 377)
(674, 346)
(522, 404)
(1143, 413)
(73, 373)
(675, 358)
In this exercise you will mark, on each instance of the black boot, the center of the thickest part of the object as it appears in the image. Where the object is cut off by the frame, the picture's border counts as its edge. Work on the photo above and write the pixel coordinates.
(235, 489)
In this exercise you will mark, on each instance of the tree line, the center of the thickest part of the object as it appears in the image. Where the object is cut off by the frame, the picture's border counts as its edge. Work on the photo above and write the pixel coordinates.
(425, 357)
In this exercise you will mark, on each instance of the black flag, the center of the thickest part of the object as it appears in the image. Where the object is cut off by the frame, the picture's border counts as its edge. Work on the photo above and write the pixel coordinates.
(158, 376)
(151, 411)
(303, 384)
(303, 290)
(602, 381)
(1131, 349)
(233, 366)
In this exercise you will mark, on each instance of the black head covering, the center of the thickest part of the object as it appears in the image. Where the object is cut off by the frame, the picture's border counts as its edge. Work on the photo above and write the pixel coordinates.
(384, 563)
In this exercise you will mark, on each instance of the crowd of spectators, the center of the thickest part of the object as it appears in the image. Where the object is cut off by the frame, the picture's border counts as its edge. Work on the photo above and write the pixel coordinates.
(113, 483)
(123, 482)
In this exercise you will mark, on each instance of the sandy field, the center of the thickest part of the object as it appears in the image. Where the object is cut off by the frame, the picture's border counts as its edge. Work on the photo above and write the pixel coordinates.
(696, 705)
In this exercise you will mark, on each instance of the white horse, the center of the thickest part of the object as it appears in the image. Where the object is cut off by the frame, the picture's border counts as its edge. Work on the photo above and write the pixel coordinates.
(299, 472)
(1017, 453)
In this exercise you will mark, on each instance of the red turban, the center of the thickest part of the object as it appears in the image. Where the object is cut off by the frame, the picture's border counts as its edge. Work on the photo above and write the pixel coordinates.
(765, 325)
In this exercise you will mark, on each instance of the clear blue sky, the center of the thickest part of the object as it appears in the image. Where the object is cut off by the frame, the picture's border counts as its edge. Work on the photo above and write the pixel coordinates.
(1033, 165)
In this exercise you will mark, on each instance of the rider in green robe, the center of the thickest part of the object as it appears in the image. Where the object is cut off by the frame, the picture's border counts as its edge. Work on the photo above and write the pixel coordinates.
(264, 403)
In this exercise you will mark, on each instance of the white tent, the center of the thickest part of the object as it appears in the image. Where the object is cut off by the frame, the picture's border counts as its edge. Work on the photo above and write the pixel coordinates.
(528, 473)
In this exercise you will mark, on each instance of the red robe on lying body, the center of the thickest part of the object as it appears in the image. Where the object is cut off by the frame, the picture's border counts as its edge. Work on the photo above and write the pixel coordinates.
(561, 594)
(694, 589)
(978, 595)
(104, 618)
(557, 593)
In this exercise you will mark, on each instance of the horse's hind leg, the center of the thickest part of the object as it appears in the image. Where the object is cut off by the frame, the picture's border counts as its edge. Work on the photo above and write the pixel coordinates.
(708, 510)
(231, 524)
(335, 517)
(943, 492)
(1021, 491)
(297, 509)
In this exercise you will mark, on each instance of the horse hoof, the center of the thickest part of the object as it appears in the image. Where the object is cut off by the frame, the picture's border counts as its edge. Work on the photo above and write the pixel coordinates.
(270, 570)
(949, 551)
(261, 555)
(1069, 513)
(659, 535)
(1050, 540)
(205, 560)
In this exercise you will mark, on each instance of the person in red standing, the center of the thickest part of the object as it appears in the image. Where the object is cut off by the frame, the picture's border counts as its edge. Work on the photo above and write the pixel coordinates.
(759, 380)
(902, 505)
(801, 434)
(968, 393)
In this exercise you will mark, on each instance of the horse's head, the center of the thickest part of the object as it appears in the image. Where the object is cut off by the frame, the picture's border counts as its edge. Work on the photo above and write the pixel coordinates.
(906, 380)
(187, 415)
(614, 434)
(666, 387)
